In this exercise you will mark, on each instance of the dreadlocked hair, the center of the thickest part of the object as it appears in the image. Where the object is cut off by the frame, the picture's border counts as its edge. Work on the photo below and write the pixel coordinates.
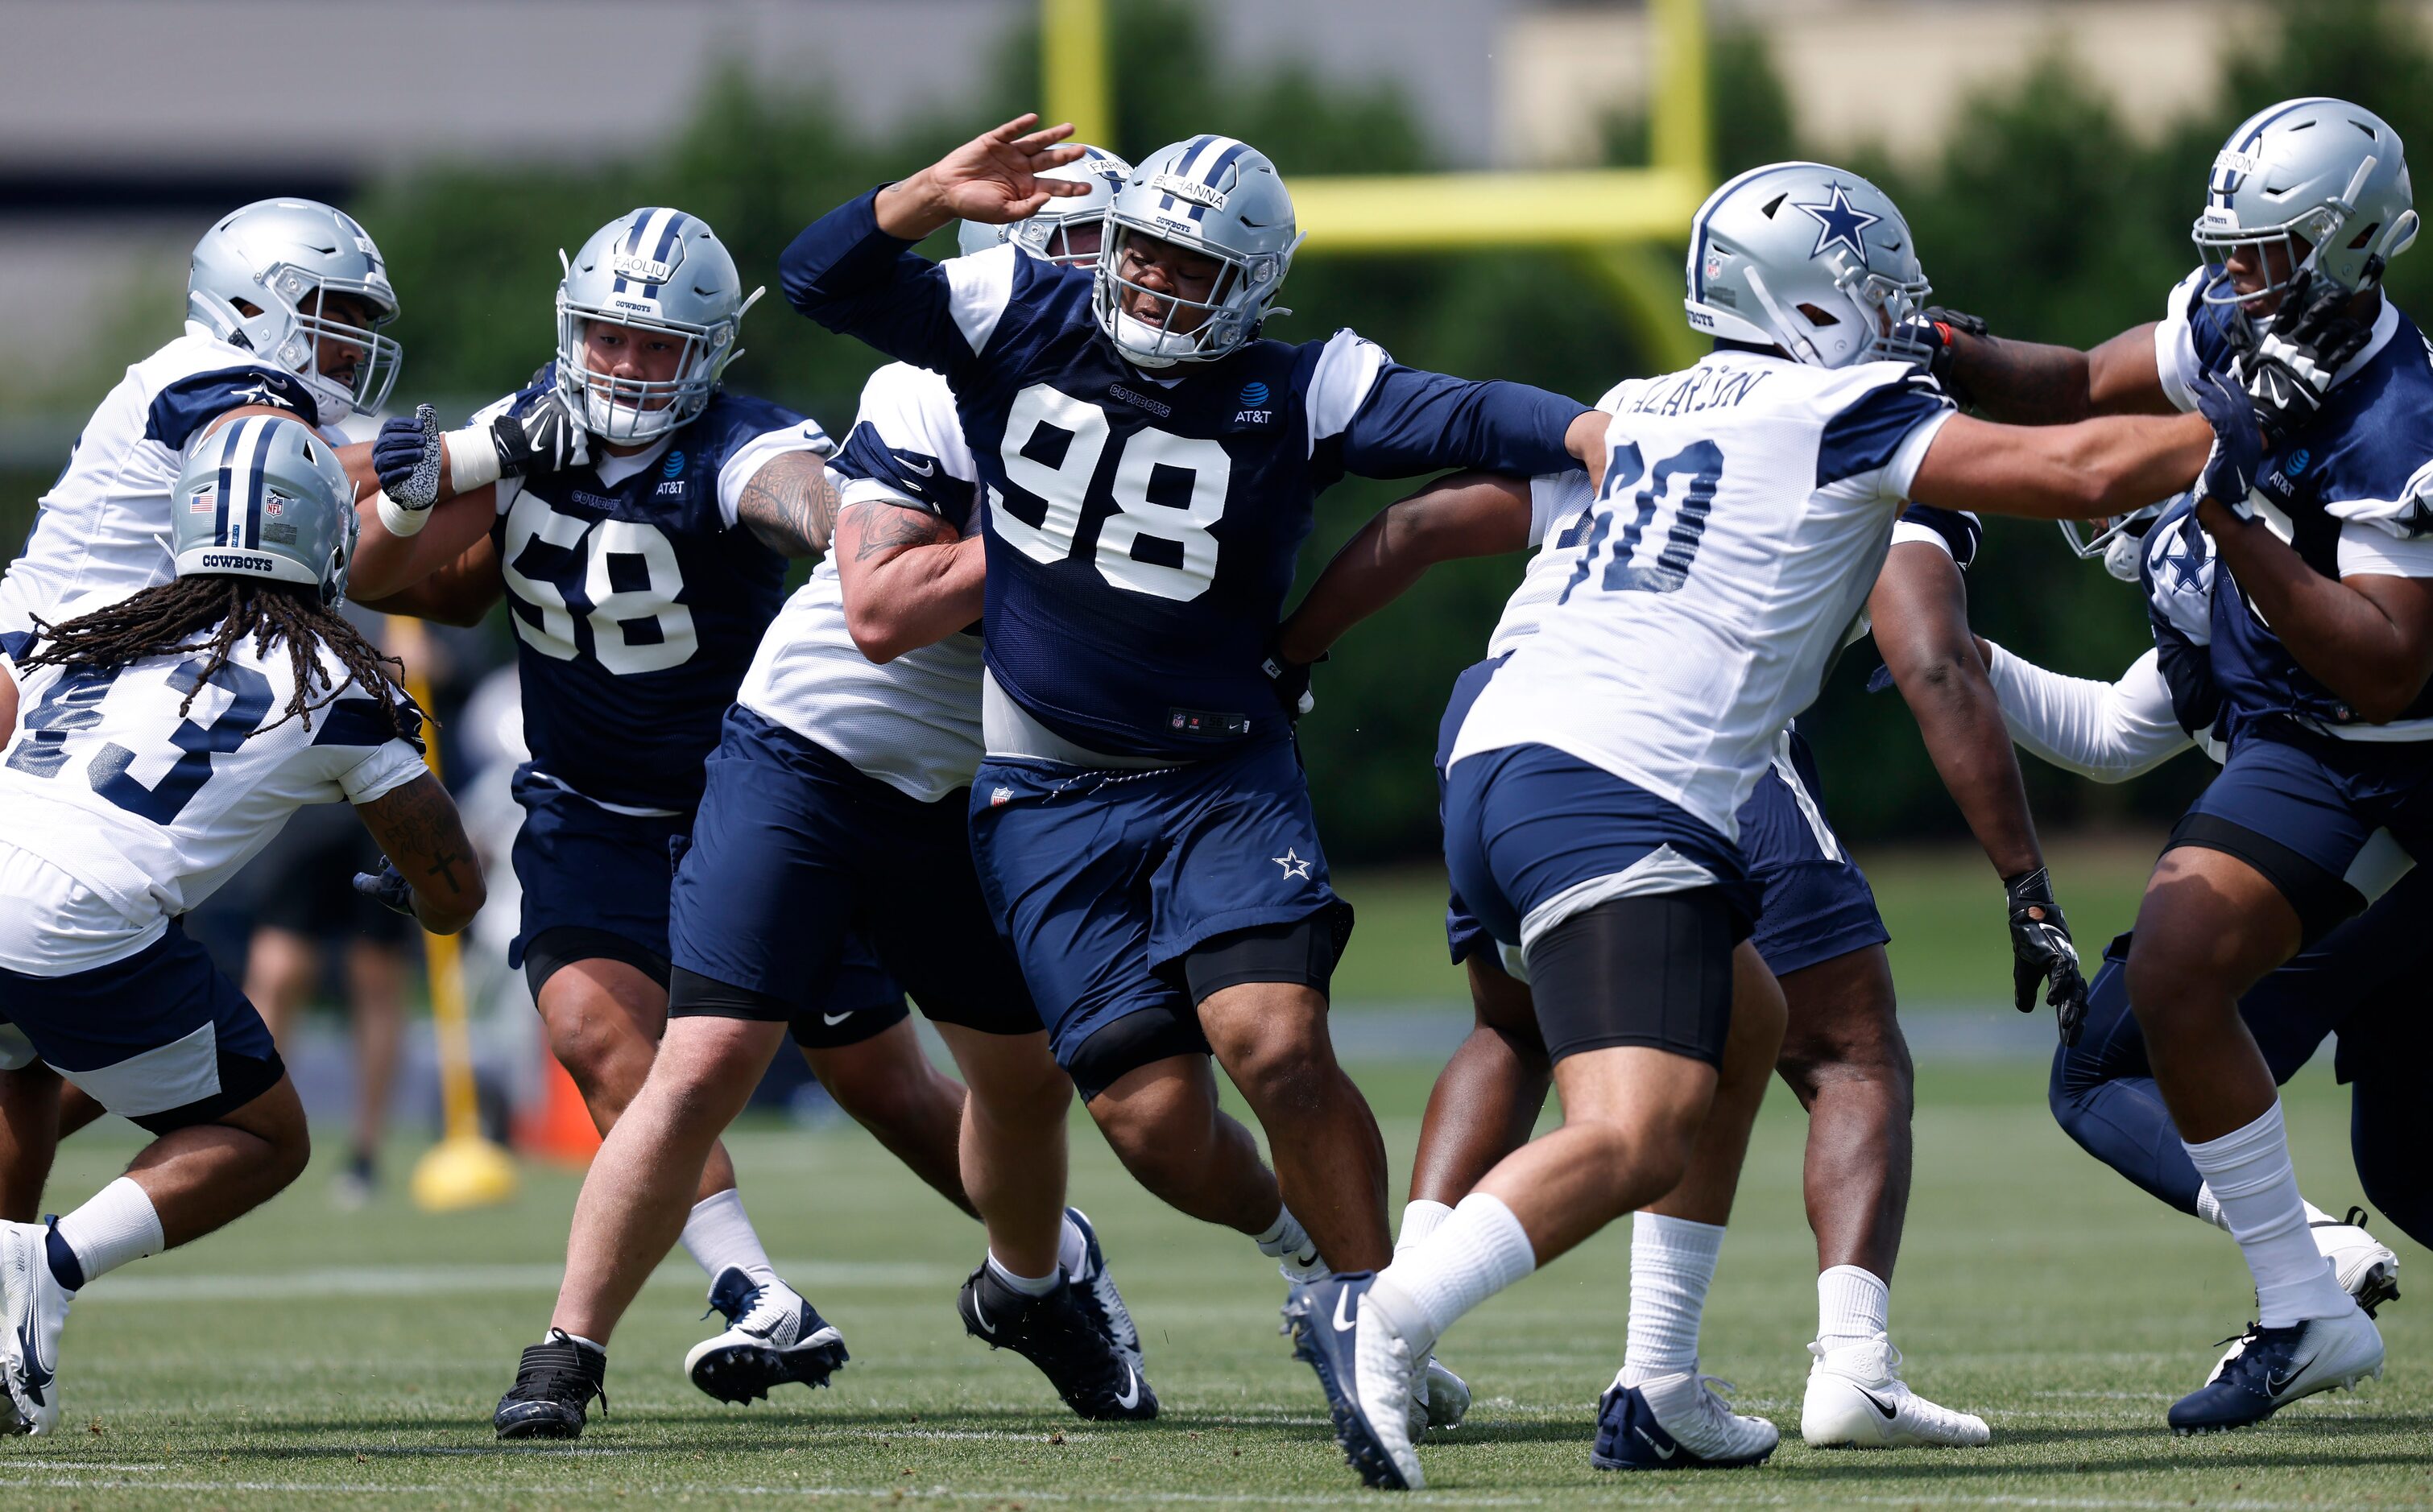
(211, 614)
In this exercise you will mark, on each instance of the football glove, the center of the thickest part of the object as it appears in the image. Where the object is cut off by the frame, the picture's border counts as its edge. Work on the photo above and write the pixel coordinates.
(388, 888)
(545, 438)
(2042, 953)
(1941, 328)
(407, 454)
(2311, 338)
(1290, 681)
(2229, 474)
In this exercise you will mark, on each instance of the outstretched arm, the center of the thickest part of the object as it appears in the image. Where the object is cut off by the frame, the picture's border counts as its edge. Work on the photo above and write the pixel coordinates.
(909, 579)
(2026, 382)
(1467, 514)
(419, 830)
(2093, 467)
(458, 594)
(2108, 731)
(385, 564)
(790, 504)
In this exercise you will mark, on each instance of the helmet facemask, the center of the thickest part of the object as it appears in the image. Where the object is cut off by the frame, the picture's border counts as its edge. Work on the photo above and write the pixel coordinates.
(295, 331)
(1232, 313)
(2118, 540)
(625, 410)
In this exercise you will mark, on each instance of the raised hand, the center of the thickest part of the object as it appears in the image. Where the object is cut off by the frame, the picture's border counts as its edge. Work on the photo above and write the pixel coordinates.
(407, 455)
(993, 179)
(2312, 337)
(387, 887)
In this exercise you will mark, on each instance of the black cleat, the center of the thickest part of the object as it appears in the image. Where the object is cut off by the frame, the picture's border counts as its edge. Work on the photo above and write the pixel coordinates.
(555, 1380)
(1058, 1335)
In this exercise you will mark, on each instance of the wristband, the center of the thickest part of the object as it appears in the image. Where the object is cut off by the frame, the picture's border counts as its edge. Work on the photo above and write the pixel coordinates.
(399, 522)
(472, 459)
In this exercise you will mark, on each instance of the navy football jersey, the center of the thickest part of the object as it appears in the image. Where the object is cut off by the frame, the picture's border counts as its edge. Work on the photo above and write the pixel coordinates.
(637, 600)
(2352, 495)
(1142, 527)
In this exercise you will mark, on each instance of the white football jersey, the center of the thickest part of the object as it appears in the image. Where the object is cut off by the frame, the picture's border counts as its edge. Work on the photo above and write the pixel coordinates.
(912, 722)
(152, 809)
(102, 532)
(1744, 510)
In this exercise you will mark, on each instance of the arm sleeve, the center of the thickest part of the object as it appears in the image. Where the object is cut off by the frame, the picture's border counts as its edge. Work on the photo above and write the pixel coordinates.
(847, 274)
(735, 473)
(2107, 731)
(1880, 439)
(1397, 421)
(383, 772)
(2374, 549)
(180, 411)
(1957, 531)
(2189, 341)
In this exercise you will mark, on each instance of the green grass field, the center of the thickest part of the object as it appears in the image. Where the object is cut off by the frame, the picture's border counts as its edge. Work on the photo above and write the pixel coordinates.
(309, 1359)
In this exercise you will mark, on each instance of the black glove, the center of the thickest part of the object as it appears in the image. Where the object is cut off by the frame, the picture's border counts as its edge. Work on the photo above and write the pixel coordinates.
(1290, 681)
(2041, 950)
(2229, 474)
(545, 438)
(408, 456)
(388, 888)
(2291, 367)
(1941, 328)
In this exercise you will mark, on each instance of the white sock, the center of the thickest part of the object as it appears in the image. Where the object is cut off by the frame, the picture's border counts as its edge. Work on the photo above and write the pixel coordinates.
(1072, 1250)
(1422, 1218)
(116, 1224)
(1473, 1254)
(718, 1236)
(1289, 1244)
(1028, 1286)
(2209, 1209)
(1672, 1263)
(1852, 1306)
(2249, 1173)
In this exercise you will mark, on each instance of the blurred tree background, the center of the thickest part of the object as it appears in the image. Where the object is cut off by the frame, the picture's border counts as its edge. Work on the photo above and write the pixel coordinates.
(2045, 215)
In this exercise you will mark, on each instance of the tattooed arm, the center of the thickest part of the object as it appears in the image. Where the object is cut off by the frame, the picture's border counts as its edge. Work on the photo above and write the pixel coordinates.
(418, 827)
(790, 505)
(2025, 383)
(910, 578)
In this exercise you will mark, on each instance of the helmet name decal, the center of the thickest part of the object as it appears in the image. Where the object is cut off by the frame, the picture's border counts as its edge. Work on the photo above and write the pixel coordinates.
(1190, 189)
(640, 269)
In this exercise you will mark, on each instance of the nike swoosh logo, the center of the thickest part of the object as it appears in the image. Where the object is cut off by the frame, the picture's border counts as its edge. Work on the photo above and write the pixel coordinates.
(923, 469)
(32, 1373)
(832, 1020)
(1656, 1449)
(2275, 1383)
(980, 1314)
(1878, 1403)
(1130, 1397)
(1343, 1324)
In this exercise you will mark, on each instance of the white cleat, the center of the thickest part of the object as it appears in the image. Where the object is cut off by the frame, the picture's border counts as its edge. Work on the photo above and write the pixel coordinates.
(1447, 1394)
(1857, 1400)
(2364, 1266)
(33, 1310)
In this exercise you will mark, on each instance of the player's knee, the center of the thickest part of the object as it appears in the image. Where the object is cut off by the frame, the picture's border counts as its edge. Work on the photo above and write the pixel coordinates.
(607, 1057)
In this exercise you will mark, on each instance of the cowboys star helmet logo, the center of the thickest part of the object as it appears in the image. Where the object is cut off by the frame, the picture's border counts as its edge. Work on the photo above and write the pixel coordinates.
(1840, 222)
(261, 393)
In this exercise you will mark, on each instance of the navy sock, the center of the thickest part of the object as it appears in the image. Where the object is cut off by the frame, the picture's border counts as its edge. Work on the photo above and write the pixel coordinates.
(65, 1267)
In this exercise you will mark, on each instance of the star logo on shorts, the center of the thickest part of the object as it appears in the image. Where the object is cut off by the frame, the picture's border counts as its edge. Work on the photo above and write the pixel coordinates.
(1293, 865)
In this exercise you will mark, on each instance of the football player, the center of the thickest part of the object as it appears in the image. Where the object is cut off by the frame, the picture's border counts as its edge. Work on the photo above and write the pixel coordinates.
(836, 803)
(166, 736)
(638, 517)
(1817, 931)
(2355, 984)
(284, 300)
(1744, 510)
(1141, 826)
(2321, 658)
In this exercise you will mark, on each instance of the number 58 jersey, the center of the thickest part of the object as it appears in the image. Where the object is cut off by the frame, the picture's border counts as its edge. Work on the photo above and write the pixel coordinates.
(1743, 511)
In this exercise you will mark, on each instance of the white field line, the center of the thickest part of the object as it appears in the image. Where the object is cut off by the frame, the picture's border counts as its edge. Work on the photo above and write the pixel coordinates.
(456, 1280)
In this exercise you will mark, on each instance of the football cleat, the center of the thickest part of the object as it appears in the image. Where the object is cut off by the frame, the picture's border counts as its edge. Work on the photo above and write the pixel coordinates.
(1447, 1396)
(1672, 1422)
(773, 1336)
(1094, 1287)
(2364, 1266)
(1857, 1400)
(555, 1380)
(1061, 1335)
(1367, 1372)
(36, 1309)
(2267, 1369)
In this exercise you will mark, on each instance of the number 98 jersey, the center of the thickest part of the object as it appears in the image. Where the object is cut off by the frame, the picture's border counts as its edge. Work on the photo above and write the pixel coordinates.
(1745, 509)
(637, 600)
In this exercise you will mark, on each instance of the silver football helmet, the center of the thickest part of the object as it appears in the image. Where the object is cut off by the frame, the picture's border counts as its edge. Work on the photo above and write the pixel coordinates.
(1047, 232)
(1219, 198)
(2318, 172)
(263, 497)
(1809, 258)
(651, 269)
(281, 257)
(2117, 539)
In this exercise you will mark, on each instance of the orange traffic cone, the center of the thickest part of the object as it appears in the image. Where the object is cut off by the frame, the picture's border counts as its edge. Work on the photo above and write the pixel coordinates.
(560, 1129)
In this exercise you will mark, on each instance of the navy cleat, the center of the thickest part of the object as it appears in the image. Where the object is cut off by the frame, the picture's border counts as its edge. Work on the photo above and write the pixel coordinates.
(1335, 1335)
(2267, 1369)
(1060, 1334)
(555, 1380)
(773, 1336)
(1676, 1422)
(1094, 1287)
